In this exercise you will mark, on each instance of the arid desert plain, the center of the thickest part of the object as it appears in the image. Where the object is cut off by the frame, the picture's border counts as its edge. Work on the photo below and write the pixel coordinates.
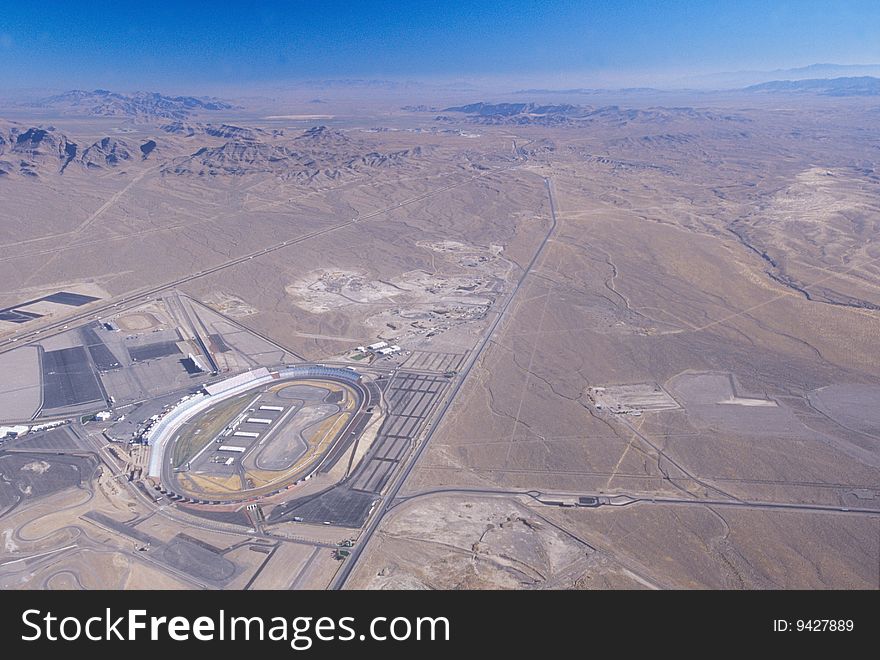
(436, 340)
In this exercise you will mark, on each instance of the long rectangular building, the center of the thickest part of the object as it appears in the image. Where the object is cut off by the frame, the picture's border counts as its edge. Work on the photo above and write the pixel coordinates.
(236, 381)
(237, 450)
(272, 408)
(246, 434)
(259, 420)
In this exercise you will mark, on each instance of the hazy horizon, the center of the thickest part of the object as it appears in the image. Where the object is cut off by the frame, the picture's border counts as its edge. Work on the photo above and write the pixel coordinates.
(212, 47)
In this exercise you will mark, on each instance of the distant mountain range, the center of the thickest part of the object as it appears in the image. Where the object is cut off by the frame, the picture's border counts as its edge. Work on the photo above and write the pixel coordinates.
(578, 115)
(844, 86)
(590, 91)
(727, 81)
(738, 79)
(859, 86)
(143, 105)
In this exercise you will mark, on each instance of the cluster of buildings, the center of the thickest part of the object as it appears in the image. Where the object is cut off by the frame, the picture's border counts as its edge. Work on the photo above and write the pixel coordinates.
(18, 430)
(381, 348)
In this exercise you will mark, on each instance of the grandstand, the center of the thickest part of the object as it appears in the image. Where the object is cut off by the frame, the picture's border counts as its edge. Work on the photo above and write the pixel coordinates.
(162, 431)
(319, 371)
(249, 377)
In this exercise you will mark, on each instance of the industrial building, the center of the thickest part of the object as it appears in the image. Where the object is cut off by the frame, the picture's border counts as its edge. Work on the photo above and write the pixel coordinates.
(194, 364)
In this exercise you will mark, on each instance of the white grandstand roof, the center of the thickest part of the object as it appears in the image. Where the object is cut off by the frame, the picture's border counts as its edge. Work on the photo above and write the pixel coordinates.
(235, 381)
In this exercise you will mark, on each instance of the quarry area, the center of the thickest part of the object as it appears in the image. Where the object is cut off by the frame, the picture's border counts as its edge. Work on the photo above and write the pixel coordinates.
(440, 343)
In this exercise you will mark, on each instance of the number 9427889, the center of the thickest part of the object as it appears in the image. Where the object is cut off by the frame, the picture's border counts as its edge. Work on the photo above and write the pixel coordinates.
(820, 625)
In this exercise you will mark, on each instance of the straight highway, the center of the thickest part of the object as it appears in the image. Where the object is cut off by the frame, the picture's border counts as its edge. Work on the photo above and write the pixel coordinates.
(387, 501)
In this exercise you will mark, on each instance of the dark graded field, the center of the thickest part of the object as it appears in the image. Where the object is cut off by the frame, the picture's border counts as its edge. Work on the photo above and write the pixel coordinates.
(69, 379)
(340, 506)
(61, 440)
(67, 298)
(15, 314)
(18, 316)
(29, 476)
(153, 351)
(192, 556)
(196, 560)
(101, 355)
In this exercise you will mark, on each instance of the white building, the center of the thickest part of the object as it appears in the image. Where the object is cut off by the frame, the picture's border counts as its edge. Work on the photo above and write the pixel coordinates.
(102, 416)
(377, 346)
(197, 362)
(13, 431)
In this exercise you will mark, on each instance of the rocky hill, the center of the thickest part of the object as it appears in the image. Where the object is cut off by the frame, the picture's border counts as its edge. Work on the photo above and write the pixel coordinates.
(139, 105)
(318, 153)
(227, 131)
(223, 150)
(35, 151)
(28, 150)
(106, 152)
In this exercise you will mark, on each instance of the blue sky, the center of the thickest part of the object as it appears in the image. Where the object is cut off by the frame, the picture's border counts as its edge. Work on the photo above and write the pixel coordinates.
(174, 44)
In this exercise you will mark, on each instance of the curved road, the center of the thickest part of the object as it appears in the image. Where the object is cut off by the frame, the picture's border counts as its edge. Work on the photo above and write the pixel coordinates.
(363, 396)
